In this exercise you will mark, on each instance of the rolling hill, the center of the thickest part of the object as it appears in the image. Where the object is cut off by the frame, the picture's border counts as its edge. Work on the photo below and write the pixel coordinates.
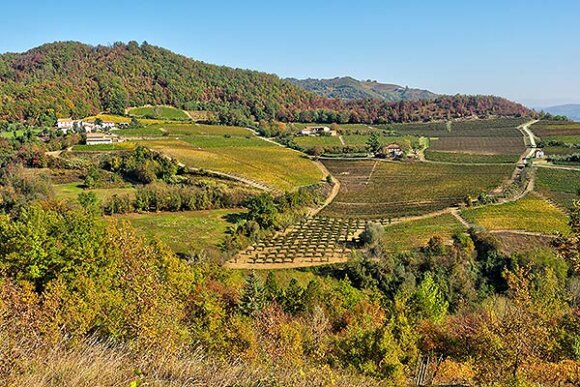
(572, 111)
(348, 88)
(73, 79)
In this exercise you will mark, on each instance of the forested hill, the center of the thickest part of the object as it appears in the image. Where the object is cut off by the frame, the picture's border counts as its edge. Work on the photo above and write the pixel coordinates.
(73, 79)
(349, 88)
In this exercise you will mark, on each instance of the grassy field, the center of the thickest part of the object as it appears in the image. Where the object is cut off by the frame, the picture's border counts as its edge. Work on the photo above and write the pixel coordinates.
(531, 213)
(391, 189)
(407, 236)
(71, 191)
(119, 146)
(561, 186)
(469, 158)
(19, 133)
(159, 112)
(185, 232)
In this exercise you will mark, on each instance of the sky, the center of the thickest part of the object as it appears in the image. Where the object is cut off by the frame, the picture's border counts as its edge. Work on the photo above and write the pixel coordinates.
(527, 51)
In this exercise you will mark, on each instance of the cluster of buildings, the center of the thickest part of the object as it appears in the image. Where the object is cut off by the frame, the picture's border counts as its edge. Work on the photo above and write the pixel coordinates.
(66, 124)
(94, 131)
(317, 130)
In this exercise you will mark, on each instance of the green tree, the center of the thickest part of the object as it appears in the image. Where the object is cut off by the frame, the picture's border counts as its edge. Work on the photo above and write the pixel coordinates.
(253, 297)
(293, 298)
(374, 143)
(430, 301)
(262, 209)
(271, 288)
(372, 234)
(89, 202)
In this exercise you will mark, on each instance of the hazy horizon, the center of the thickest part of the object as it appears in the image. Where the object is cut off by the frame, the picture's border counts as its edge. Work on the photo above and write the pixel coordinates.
(519, 50)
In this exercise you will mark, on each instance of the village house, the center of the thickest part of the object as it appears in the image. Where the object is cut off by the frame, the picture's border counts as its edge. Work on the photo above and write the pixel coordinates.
(314, 130)
(539, 154)
(393, 150)
(65, 123)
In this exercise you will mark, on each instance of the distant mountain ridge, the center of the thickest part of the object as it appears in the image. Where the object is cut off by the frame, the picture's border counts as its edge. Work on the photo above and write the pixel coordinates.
(572, 111)
(348, 88)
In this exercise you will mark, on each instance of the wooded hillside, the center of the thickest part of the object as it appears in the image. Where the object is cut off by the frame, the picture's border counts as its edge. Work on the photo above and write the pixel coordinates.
(73, 79)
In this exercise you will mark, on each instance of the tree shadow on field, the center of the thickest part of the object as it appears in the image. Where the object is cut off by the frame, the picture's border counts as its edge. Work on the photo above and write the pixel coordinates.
(234, 218)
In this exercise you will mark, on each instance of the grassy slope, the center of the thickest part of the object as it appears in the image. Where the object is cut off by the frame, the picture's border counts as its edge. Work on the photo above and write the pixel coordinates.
(410, 235)
(531, 213)
(160, 112)
(185, 232)
(19, 133)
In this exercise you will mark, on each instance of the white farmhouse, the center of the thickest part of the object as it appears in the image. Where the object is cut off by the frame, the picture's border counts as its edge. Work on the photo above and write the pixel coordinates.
(314, 130)
(65, 123)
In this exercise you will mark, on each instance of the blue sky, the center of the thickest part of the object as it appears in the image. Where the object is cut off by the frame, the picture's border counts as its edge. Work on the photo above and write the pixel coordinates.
(524, 50)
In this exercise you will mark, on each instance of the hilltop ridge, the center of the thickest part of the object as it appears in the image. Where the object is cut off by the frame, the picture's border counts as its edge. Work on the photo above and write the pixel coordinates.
(348, 88)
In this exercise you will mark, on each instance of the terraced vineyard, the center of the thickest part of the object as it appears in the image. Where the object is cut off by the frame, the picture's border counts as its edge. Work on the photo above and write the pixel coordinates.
(315, 240)
(379, 189)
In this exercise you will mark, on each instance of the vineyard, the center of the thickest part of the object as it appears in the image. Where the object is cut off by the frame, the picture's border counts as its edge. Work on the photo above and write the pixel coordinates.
(498, 127)
(532, 214)
(558, 137)
(470, 158)
(379, 189)
(560, 186)
(512, 145)
(232, 150)
(315, 240)
(553, 129)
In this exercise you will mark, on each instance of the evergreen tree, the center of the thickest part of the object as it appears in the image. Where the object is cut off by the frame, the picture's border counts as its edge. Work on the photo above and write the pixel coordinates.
(253, 297)
(271, 288)
(293, 300)
(374, 143)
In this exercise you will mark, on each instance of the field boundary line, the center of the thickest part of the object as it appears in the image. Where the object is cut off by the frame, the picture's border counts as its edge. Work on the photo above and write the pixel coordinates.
(371, 173)
(521, 232)
(455, 212)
